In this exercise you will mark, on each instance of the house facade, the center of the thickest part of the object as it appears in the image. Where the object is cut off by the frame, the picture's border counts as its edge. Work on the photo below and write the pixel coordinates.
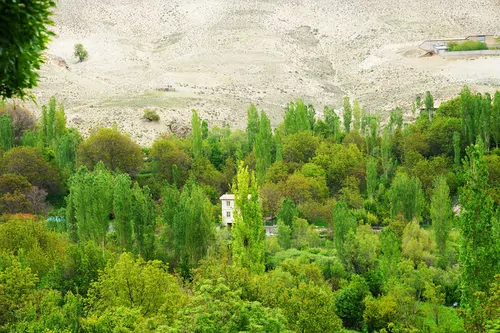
(227, 201)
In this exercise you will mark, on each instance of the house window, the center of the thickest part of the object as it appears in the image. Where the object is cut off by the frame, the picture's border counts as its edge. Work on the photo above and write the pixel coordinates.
(228, 214)
(481, 38)
(228, 203)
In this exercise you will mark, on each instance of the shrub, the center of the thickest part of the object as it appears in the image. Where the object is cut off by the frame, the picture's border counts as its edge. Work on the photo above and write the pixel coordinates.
(468, 45)
(150, 115)
(80, 52)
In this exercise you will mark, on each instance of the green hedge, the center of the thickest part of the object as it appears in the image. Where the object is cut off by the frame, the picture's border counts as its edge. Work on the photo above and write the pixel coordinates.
(468, 45)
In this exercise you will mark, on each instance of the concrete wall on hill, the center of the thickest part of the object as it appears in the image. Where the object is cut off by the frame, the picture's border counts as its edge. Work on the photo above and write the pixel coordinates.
(476, 53)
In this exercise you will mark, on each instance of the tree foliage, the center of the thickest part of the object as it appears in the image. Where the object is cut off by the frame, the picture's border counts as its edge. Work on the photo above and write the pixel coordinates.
(26, 34)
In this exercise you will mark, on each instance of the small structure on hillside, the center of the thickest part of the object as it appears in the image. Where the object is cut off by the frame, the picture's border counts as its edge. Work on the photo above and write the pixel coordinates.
(440, 46)
(227, 209)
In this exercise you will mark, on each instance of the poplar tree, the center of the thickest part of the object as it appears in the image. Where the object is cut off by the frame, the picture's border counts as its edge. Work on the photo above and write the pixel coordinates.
(144, 221)
(92, 202)
(485, 120)
(429, 103)
(196, 138)
(6, 135)
(495, 119)
(200, 224)
(371, 178)
(357, 114)
(263, 146)
(388, 163)
(441, 214)
(248, 231)
(288, 212)
(343, 223)
(333, 121)
(456, 149)
(479, 258)
(296, 118)
(253, 125)
(406, 196)
(311, 116)
(347, 113)
(122, 209)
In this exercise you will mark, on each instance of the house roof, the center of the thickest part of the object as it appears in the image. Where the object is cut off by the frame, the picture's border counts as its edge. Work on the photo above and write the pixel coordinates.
(227, 197)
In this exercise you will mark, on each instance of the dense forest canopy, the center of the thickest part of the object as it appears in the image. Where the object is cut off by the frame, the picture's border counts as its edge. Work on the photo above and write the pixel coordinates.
(390, 228)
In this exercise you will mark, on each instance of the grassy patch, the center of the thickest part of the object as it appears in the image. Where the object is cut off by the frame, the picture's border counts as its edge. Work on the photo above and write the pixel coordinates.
(468, 45)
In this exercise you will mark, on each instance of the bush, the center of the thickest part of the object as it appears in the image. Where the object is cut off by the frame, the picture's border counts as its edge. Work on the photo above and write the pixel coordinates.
(81, 53)
(468, 45)
(150, 115)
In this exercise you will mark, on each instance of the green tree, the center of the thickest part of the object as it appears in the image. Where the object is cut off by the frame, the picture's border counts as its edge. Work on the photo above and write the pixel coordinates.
(296, 118)
(144, 221)
(357, 112)
(25, 35)
(479, 256)
(217, 308)
(168, 155)
(199, 223)
(347, 114)
(114, 149)
(429, 102)
(18, 290)
(92, 202)
(406, 196)
(349, 305)
(80, 52)
(333, 121)
(288, 212)
(253, 125)
(343, 223)
(6, 135)
(495, 118)
(196, 136)
(388, 163)
(122, 209)
(371, 178)
(456, 149)
(30, 163)
(262, 148)
(441, 214)
(136, 284)
(248, 231)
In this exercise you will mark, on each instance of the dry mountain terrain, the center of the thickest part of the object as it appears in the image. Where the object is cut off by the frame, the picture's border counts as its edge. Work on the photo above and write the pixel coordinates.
(222, 55)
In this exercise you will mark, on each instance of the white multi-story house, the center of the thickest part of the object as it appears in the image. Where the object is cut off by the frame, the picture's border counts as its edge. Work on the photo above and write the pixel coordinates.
(227, 209)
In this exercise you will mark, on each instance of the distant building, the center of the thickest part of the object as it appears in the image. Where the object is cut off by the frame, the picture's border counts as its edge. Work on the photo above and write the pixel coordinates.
(227, 209)
(440, 46)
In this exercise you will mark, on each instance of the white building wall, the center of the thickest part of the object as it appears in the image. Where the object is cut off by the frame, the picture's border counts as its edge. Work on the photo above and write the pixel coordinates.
(227, 211)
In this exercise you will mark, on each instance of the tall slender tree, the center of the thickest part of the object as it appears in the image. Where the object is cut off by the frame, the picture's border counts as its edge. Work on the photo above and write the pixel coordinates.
(6, 135)
(253, 125)
(333, 121)
(343, 223)
(479, 258)
(144, 221)
(196, 138)
(263, 147)
(371, 178)
(92, 202)
(357, 113)
(248, 231)
(122, 209)
(456, 149)
(495, 119)
(406, 196)
(441, 215)
(347, 113)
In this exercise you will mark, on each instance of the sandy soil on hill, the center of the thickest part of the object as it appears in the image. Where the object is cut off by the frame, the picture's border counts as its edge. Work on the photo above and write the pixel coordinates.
(222, 55)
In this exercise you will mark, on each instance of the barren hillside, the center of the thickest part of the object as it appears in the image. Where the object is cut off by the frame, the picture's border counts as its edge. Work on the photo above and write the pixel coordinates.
(222, 55)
